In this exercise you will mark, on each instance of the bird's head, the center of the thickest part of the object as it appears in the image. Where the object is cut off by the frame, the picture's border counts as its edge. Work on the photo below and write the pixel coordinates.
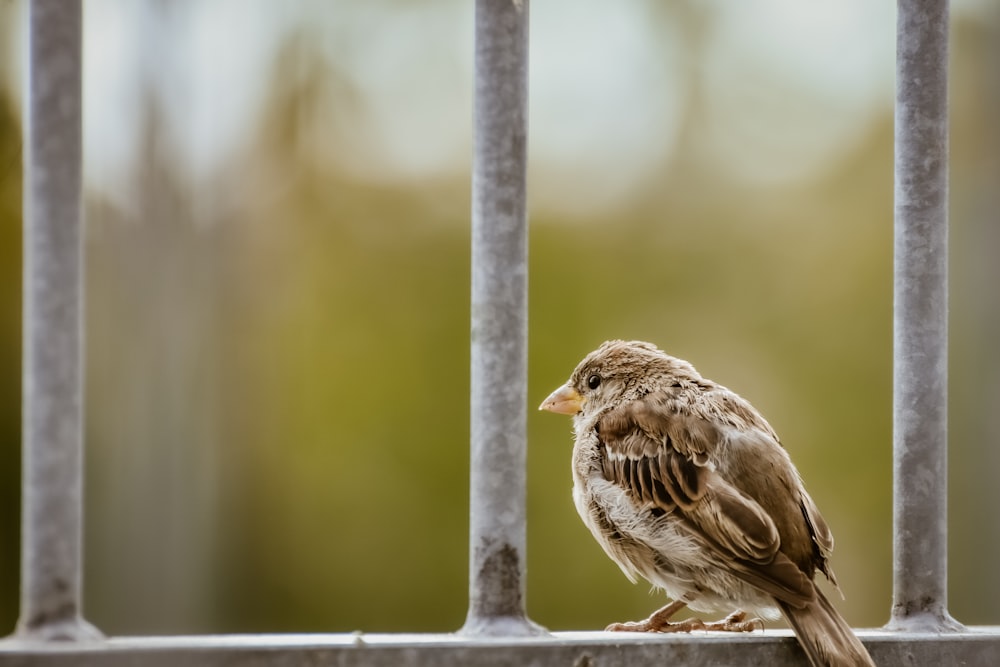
(616, 372)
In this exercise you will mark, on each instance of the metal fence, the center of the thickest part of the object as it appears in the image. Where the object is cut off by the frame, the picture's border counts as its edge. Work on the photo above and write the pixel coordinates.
(51, 629)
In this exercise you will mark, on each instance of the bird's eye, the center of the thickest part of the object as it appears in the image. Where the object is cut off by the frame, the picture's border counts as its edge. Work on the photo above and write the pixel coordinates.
(594, 381)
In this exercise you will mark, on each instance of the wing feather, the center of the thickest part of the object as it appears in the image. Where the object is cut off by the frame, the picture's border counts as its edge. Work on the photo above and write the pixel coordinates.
(822, 537)
(661, 455)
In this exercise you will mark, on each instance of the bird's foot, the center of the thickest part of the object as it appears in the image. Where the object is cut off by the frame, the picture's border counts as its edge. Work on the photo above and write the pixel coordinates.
(735, 622)
(649, 625)
(658, 621)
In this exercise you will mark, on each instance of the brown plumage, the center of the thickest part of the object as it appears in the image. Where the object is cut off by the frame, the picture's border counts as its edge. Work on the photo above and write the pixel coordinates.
(685, 484)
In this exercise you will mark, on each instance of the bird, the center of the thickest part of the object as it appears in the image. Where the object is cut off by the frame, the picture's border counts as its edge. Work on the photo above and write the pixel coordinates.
(685, 484)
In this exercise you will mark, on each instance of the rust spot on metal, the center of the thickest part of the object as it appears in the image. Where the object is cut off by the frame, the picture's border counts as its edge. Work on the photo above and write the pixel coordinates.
(500, 580)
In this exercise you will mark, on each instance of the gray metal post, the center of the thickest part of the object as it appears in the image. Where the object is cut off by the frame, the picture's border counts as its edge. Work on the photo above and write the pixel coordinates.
(920, 374)
(499, 323)
(52, 390)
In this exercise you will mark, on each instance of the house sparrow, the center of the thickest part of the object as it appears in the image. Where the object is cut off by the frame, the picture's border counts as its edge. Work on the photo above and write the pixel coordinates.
(685, 484)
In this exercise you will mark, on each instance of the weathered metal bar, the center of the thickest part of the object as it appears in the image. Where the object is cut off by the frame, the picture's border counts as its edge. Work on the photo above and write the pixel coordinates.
(499, 323)
(920, 319)
(776, 647)
(51, 570)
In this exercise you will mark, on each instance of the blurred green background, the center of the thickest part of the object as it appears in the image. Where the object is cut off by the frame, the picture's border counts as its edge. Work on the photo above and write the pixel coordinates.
(278, 286)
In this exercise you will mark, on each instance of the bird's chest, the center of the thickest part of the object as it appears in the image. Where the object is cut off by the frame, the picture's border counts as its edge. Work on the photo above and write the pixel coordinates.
(594, 496)
(606, 509)
(642, 540)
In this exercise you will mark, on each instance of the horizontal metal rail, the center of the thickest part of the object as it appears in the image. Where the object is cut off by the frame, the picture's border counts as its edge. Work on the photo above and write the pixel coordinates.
(778, 648)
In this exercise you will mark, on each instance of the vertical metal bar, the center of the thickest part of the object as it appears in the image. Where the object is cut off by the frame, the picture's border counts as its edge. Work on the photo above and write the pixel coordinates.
(920, 314)
(52, 383)
(499, 323)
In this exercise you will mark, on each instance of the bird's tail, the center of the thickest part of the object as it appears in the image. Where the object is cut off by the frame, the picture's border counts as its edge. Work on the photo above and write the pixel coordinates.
(825, 635)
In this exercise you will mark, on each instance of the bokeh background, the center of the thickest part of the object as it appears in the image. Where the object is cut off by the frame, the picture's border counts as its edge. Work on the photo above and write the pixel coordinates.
(278, 283)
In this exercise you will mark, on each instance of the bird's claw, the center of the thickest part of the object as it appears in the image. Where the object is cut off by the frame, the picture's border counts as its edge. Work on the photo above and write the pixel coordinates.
(735, 622)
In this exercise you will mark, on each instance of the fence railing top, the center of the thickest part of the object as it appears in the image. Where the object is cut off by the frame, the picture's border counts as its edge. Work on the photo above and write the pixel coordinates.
(973, 646)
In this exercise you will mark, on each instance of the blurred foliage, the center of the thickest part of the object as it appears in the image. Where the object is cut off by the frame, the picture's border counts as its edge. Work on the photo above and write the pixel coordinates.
(10, 361)
(278, 381)
(974, 388)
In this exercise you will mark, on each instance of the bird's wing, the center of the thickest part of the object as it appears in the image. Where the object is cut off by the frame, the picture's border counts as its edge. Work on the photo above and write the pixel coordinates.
(809, 539)
(660, 454)
(821, 533)
(822, 537)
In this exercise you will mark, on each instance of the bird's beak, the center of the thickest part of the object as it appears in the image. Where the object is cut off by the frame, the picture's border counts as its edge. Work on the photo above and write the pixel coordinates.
(565, 401)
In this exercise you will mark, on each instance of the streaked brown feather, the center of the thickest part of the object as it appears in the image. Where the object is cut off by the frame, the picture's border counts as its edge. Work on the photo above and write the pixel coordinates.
(690, 476)
(779, 577)
(661, 457)
(822, 538)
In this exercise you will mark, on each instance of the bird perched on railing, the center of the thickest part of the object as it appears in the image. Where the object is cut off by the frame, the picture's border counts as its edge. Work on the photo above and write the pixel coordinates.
(685, 484)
